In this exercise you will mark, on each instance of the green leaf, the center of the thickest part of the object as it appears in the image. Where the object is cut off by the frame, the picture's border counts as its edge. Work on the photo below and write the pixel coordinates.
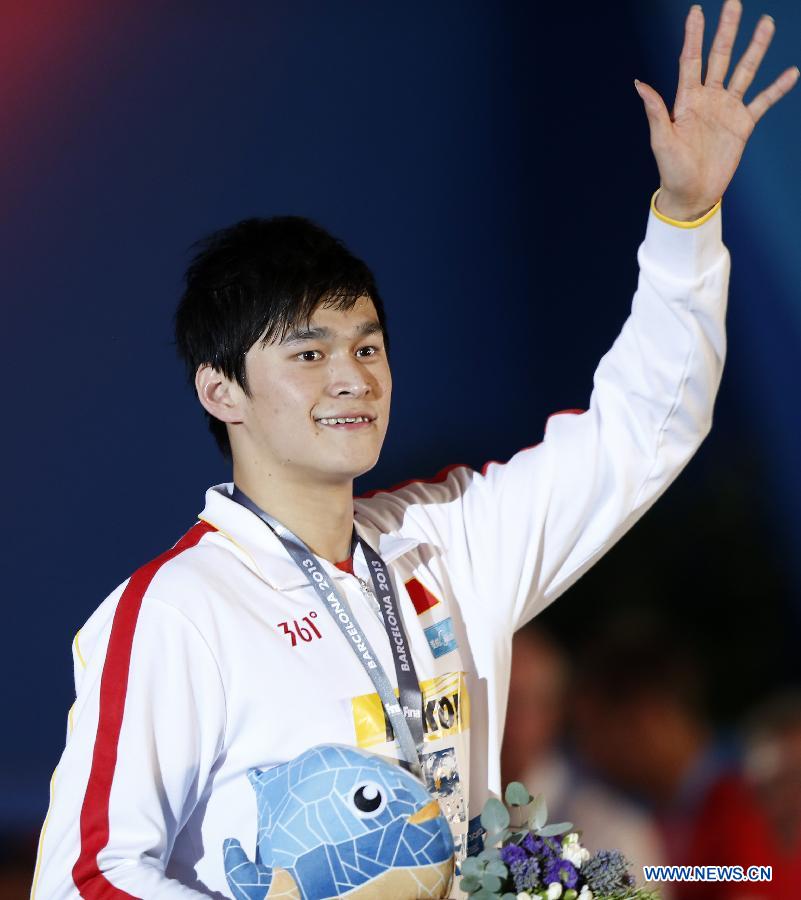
(469, 883)
(509, 897)
(491, 883)
(553, 830)
(495, 816)
(471, 866)
(488, 854)
(516, 794)
(498, 838)
(539, 813)
(483, 894)
(497, 867)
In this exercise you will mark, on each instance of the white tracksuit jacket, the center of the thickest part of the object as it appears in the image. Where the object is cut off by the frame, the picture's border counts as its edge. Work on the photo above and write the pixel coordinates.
(204, 663)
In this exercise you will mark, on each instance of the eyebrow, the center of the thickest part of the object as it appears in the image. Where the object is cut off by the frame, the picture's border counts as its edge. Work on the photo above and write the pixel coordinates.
(321, 333)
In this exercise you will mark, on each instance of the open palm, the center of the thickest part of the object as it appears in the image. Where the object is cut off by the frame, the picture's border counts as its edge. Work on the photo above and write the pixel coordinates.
(699, 146)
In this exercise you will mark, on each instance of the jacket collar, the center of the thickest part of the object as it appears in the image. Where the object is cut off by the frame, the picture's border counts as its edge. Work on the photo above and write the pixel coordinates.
(266, 555)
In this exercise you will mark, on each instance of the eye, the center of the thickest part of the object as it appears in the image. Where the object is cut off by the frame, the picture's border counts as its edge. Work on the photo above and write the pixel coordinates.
(368, 799)
(310, 355)
(367, 351)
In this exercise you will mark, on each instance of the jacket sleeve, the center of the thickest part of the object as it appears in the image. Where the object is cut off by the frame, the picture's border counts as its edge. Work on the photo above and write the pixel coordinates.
(516, 535)
(146, 728)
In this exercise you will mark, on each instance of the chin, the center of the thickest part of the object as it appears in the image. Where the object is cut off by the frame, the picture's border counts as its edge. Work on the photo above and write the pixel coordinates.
(363, 470)
(357, 464)
(336, 471)
(355, 469)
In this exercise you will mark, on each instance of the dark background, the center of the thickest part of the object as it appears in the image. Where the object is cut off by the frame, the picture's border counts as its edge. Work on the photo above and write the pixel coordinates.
(491, 162)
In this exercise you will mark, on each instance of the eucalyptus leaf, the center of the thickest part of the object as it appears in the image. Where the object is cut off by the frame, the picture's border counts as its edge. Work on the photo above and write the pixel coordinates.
(497, 867)
(500, 837)
(509, 897)
(553, 830)
(483, 894)
(490, 883)
(516, 794)
(471, 866)
(469, 883)
(488, 854)
(539, 813)
(494, 816)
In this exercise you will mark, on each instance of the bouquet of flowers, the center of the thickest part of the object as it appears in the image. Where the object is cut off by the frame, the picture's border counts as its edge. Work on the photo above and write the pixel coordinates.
(538, 861)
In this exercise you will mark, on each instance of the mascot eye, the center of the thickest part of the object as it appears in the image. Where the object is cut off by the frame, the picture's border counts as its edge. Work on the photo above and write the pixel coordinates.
(368, 799)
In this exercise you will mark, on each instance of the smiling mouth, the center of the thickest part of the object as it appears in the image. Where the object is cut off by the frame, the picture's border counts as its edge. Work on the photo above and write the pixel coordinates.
(346, 422)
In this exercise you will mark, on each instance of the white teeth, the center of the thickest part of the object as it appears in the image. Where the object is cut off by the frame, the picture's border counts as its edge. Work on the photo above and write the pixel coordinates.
(343, 420)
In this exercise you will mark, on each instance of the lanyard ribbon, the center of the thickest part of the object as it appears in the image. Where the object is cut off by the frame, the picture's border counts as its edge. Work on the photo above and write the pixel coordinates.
(405, 717)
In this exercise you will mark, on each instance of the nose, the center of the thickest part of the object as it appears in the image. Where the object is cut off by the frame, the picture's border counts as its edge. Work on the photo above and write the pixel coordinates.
(349, 379)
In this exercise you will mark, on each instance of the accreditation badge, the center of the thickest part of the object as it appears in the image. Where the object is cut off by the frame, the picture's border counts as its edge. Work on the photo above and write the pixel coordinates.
(446, 744)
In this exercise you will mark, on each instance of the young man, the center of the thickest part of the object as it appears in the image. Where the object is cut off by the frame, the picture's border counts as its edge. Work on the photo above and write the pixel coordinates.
(225, 654)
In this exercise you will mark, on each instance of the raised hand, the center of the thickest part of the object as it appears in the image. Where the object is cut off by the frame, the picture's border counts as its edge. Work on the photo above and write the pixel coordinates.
(699, 146)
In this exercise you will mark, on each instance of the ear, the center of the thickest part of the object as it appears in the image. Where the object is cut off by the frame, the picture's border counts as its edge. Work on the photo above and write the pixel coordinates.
(219, 395)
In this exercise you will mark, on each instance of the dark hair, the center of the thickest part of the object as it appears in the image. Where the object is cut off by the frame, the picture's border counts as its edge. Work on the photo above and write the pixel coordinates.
(256, 281)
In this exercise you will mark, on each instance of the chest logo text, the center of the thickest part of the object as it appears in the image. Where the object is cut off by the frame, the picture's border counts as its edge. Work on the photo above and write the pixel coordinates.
(297, 630)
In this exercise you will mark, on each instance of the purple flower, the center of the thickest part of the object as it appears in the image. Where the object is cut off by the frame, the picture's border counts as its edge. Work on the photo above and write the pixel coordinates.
(511, 853)
(532, 844)
(562, 871)
(606, 872)
(554, 846)
(538, 846)
(545, 849)
(526, 874)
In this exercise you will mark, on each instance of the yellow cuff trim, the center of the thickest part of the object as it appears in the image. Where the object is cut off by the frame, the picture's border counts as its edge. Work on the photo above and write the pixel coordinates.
(679, 224)
(78, 653)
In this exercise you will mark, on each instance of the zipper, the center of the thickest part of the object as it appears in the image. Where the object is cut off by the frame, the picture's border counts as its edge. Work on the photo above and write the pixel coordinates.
(371, 598)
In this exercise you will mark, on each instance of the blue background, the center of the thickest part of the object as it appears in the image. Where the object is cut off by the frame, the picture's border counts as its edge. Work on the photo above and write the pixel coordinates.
(491, 162)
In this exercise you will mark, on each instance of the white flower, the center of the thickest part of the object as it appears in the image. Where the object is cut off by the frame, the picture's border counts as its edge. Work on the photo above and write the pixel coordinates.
(586, 893)
(575, 853)
(554, 891)
(524, 895)
(571, 838)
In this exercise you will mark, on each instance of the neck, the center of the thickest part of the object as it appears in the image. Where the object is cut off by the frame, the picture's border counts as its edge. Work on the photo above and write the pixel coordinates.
(321, 515)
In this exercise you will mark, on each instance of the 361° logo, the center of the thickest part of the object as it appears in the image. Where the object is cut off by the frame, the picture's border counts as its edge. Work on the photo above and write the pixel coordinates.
(297, 630)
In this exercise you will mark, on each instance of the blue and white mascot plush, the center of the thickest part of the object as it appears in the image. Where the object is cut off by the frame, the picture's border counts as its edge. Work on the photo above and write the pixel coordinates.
(339, 822)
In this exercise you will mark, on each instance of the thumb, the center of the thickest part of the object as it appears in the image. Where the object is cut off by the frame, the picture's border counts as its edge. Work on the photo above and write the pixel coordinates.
(655, 109)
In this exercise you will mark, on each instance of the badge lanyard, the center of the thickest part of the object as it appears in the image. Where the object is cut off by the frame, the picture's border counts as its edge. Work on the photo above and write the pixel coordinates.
(405, 717)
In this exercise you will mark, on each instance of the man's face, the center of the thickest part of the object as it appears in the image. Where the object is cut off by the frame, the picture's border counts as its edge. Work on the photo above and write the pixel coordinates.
(336, 368)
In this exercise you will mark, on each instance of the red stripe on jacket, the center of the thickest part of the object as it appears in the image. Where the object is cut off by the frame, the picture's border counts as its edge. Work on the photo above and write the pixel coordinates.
(88, 878)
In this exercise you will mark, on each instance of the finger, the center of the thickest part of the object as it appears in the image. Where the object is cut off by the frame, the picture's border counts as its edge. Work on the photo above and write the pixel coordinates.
(771, 95)
(751, 60)
(720, 54)
(656, 111)
(690, 59)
